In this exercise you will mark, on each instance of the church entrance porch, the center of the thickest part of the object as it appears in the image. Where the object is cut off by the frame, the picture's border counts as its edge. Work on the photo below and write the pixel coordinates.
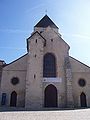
(50, 96)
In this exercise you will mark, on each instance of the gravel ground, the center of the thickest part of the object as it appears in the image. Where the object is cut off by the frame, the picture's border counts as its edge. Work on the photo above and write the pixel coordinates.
(83, 114)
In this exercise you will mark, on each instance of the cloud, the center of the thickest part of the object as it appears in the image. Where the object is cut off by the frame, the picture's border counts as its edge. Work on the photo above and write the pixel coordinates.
(81, 36)
(77, 35)
(34, 8)
(14, 31)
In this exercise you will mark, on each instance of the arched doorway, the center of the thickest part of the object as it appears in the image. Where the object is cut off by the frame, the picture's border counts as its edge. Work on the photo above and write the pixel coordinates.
(50, 96)
(13, 99)
(49, 65)
(83, 100)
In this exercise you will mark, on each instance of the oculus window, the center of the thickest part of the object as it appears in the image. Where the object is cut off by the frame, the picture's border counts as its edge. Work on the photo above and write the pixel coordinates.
(15, 80)
(82, 82)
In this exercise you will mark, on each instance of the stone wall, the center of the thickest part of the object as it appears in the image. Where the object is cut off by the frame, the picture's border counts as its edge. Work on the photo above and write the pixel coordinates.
(16, 69)
(80, 71)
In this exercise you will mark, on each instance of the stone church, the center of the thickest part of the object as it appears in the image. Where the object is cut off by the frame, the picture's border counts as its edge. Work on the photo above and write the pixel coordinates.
(45, 77)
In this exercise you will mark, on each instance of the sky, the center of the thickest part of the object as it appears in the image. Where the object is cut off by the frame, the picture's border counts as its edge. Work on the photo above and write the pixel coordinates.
(18, 17)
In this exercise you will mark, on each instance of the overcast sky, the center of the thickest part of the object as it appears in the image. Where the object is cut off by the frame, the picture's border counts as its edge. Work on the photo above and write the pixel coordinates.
(18, 17)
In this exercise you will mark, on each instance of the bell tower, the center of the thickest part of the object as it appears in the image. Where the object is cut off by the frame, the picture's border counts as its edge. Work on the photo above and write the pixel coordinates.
(46, 55)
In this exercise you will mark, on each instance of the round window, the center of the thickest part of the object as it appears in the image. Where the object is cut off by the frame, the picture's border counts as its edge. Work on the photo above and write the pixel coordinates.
(82, 82)
(14, 80)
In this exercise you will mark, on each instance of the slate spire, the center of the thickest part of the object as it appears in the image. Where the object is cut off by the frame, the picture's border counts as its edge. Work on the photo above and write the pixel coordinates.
(45, 22)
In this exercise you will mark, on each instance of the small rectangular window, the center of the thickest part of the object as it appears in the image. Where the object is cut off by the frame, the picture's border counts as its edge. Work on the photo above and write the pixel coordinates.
(3, 101)
(36, 40)
(45, 44)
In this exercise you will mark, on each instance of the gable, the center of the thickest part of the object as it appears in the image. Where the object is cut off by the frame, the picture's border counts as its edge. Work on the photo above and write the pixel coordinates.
(78, 66)
(32, 38)
(19, 64)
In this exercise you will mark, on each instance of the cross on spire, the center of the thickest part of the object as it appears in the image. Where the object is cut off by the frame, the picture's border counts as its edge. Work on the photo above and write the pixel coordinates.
(46, 11)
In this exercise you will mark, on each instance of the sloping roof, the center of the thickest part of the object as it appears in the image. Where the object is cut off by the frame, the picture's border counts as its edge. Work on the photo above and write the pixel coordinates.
(79, 62)
(16, 60)
(45, 22)
(35, 33)
(1, 60)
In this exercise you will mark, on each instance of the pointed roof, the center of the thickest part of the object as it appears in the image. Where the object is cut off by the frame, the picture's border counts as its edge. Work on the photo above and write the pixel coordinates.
(45, 22)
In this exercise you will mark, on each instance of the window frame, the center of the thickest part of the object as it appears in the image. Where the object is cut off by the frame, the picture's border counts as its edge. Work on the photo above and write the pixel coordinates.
(49, 65)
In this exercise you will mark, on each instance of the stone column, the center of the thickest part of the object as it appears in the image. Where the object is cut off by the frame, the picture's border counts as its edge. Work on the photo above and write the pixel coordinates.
(69, 92)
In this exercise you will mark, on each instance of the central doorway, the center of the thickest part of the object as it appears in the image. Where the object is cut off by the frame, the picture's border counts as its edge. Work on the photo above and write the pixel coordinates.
(50, 96)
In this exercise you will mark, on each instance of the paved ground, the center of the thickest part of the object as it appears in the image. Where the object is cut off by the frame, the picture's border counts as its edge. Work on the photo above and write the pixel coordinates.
(83, 114)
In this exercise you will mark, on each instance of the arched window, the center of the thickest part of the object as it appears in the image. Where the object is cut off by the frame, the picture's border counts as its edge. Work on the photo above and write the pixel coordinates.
(49, 65)
(13, 99)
